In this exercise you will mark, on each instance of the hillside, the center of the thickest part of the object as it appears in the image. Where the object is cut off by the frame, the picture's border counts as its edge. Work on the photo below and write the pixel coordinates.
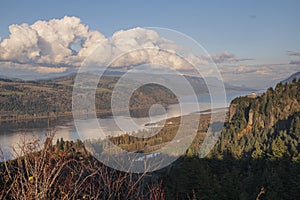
(22, 100)
(257, 157)
(292, 77)
(265, 126)
(256, 125)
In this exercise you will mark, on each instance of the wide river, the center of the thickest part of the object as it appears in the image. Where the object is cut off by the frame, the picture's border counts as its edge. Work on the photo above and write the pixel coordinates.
(12, 134)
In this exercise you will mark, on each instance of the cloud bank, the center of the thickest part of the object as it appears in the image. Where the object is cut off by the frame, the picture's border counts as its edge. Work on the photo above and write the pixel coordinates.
(50, 48)
(48, 42)
(59, 45)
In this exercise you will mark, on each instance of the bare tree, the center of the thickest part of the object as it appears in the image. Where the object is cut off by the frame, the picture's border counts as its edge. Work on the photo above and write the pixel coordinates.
(47, 172)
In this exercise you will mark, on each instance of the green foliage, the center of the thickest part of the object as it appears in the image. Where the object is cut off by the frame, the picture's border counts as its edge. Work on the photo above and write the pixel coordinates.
(278, 148)
(231, 178)
(275, 127)
(264, 156)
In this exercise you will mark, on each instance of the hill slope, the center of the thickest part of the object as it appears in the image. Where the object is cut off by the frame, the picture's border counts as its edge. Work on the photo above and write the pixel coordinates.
(292, 77)
(257, 157)
(52, 98)
(266, 126)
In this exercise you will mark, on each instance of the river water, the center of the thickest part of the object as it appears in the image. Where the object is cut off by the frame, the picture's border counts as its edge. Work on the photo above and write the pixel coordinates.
(12, 134)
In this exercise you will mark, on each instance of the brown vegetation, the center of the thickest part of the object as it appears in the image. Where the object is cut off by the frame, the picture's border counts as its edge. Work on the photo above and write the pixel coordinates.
(67, 171)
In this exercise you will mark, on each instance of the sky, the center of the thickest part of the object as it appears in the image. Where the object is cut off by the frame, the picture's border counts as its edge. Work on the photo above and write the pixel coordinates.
(253, 43)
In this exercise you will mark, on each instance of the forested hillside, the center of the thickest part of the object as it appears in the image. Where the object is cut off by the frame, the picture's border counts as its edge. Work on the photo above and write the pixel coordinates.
(258, 156)
(267, 126)
(21, 100)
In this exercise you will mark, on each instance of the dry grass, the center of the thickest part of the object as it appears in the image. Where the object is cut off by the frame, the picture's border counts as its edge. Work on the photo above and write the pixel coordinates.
(44, 172)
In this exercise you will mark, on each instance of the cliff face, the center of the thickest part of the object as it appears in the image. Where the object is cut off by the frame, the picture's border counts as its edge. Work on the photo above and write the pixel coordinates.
(232, 110)
(250, 117)
(269, 108)
(257, 124)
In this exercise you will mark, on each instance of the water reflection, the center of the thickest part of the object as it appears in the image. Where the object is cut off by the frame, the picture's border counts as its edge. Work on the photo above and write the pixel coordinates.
(13, 133)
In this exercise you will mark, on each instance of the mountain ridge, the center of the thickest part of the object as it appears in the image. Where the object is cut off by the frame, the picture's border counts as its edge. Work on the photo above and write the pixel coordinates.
(292, 77)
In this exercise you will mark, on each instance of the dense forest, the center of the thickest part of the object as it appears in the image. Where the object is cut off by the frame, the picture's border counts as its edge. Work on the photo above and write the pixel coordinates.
(265, 127)
(258, 155)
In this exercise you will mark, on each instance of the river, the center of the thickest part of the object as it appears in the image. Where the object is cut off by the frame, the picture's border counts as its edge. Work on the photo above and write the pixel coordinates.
(12, 133)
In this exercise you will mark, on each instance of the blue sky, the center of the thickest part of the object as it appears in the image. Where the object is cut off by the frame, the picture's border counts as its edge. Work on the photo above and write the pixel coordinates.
(261, 30)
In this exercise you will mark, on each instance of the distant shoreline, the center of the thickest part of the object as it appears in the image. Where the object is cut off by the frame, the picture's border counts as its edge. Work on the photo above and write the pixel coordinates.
(22, 118)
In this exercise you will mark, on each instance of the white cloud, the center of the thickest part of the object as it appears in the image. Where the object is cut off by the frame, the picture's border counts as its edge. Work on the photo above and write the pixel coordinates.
(46, 47)
(135, 38)
(22, 46)
(202, 60)
(48, 42)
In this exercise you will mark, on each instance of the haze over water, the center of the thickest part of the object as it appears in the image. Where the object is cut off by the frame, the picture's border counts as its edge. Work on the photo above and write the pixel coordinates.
(13, 133)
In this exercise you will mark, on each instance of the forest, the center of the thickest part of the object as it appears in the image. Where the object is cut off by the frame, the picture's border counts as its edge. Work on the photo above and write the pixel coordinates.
(258, 152)
(257, 157)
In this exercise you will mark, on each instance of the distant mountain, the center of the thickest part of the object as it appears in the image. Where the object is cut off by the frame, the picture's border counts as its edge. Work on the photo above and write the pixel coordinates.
(199, 85)
(293, 76)
(21, 99)
(6, 78)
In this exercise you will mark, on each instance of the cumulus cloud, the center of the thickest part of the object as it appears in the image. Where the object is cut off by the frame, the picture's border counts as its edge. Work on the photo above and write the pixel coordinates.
(21, 46)
(48, 42)
(58, 45)
(51, 44)
(154, 56)
(45, 46)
